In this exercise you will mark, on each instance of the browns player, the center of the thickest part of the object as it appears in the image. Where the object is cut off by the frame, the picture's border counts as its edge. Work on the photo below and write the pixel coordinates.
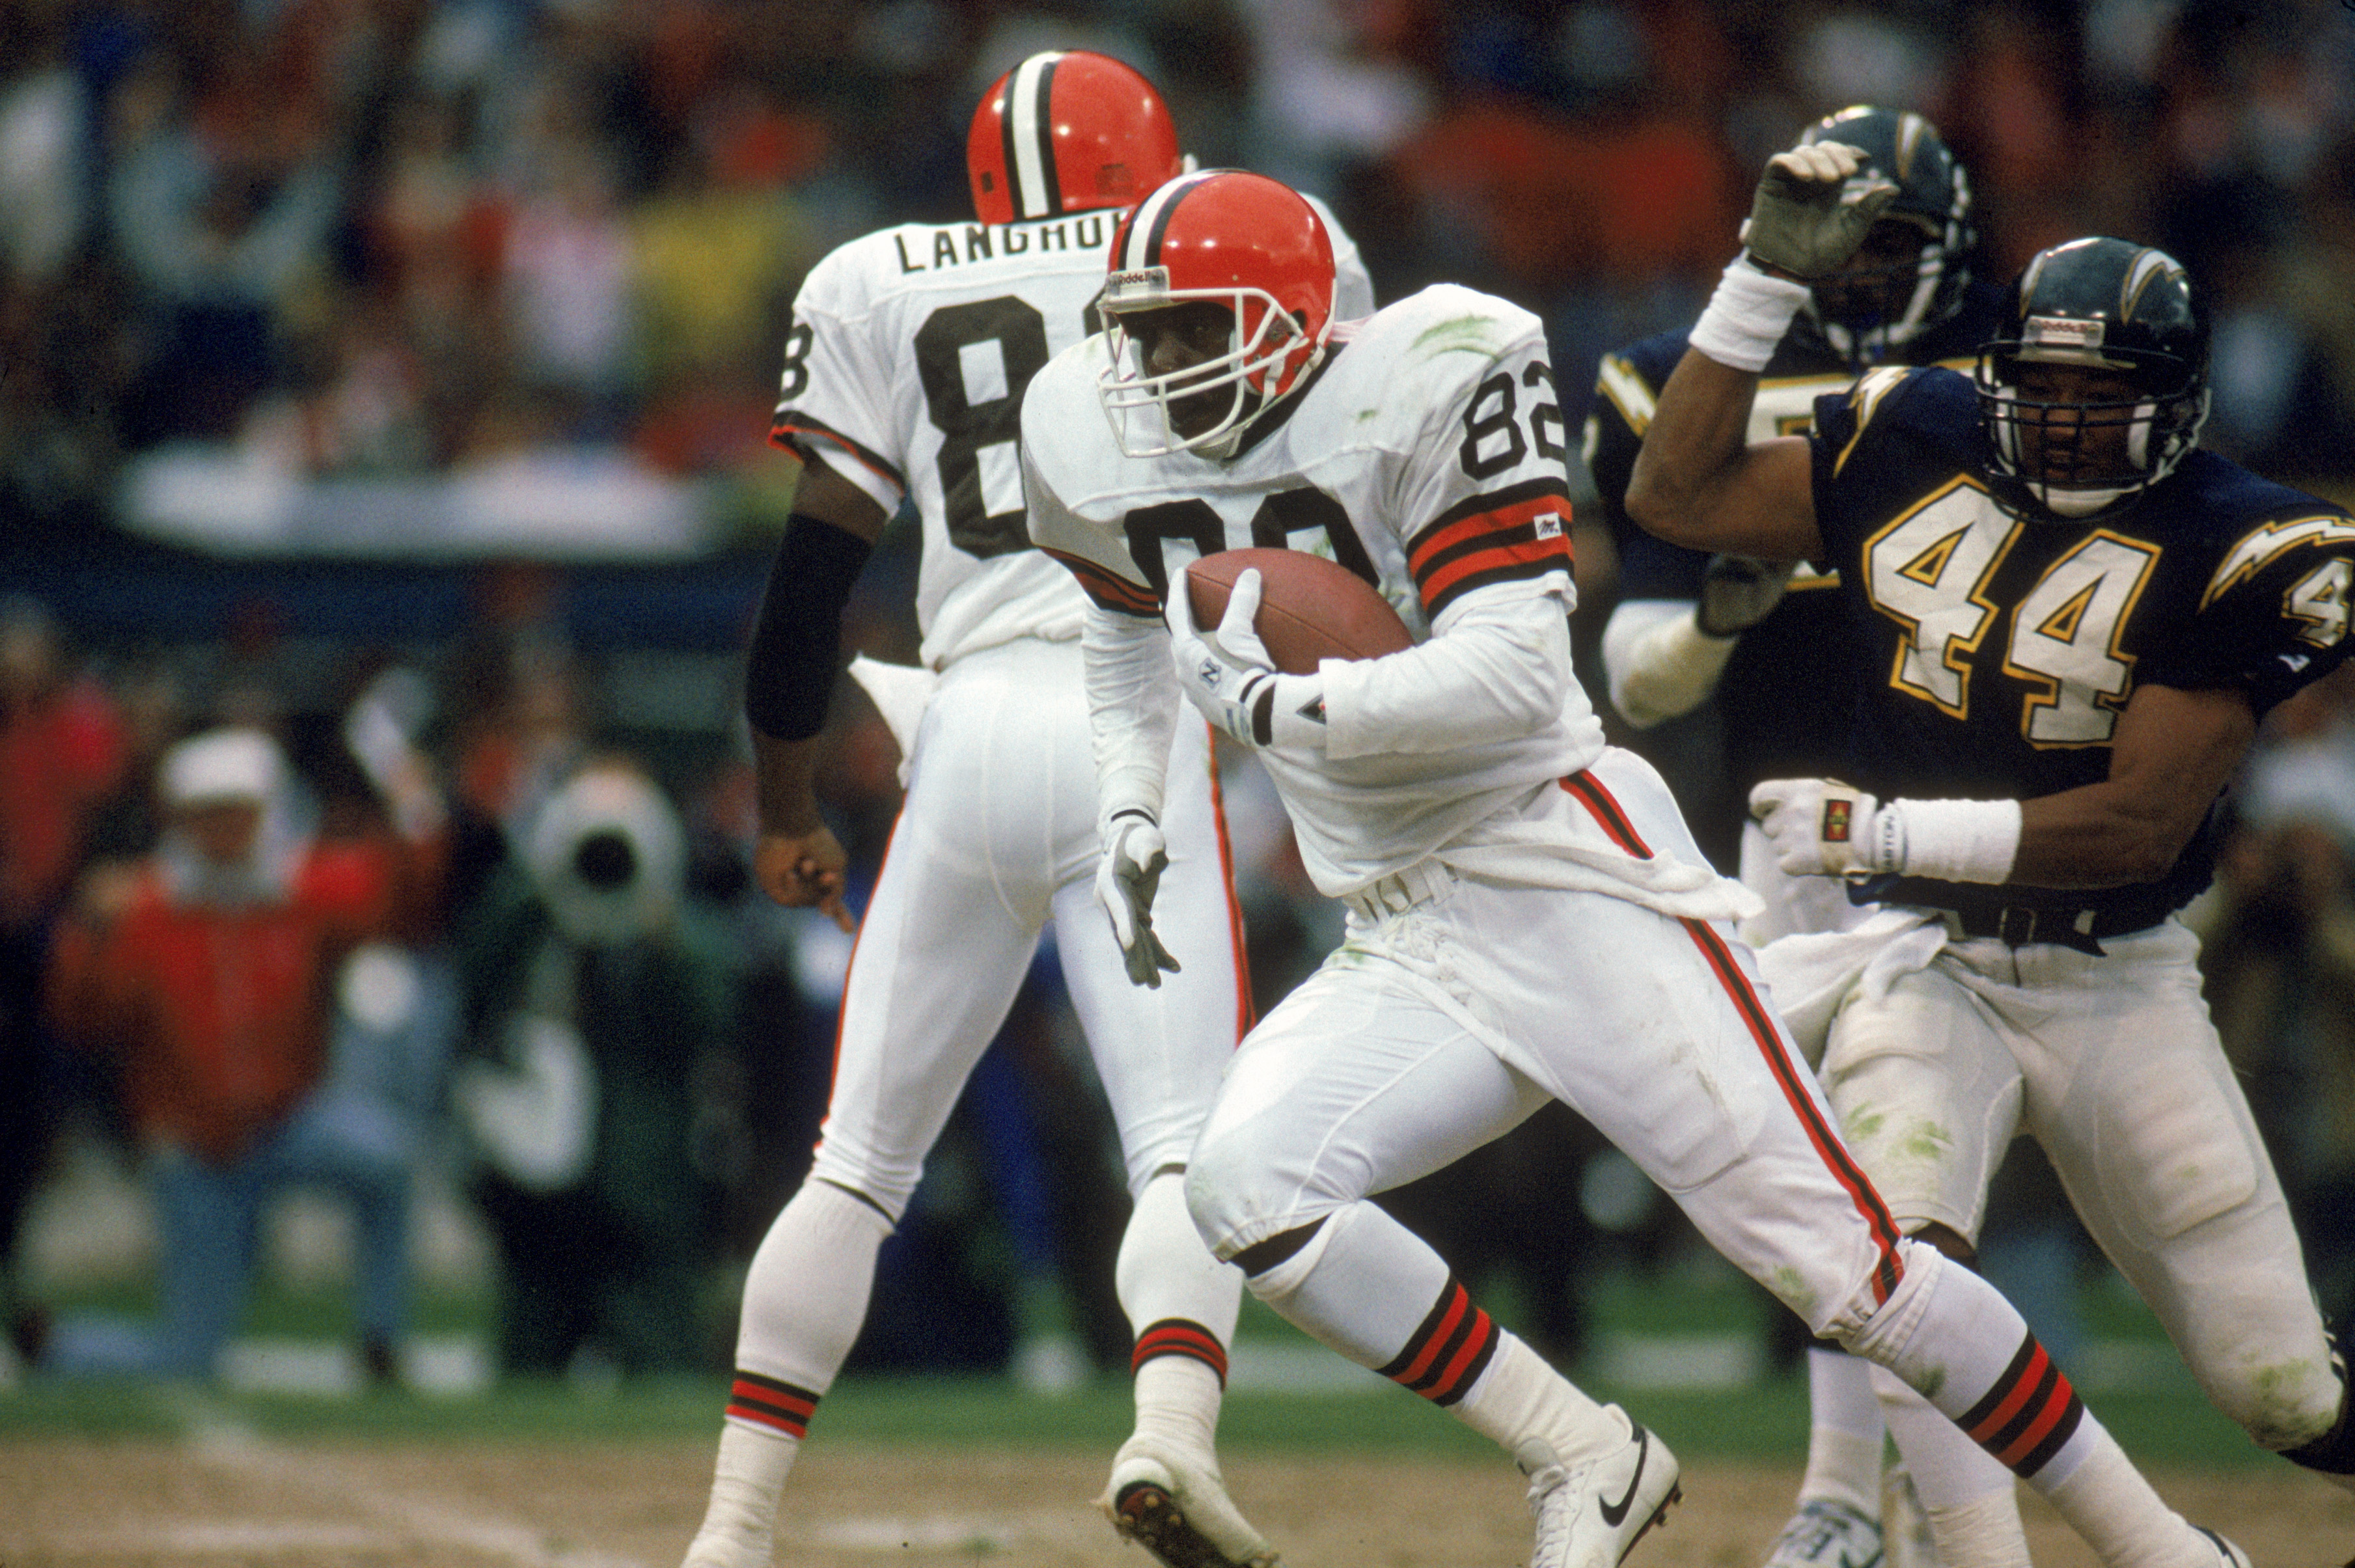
(1527, 914)
(2073, 620)
(904, 372)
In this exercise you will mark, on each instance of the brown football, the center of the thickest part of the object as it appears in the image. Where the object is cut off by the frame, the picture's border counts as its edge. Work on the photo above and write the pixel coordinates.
(1309, 608)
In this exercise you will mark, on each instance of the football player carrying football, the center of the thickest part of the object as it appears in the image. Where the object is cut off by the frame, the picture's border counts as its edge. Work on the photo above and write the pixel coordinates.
(903, 379)
(1743, 651)
(2072, 620)
(1527, 914)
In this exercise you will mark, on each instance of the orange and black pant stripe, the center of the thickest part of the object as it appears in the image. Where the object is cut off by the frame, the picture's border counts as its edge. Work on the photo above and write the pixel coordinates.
(1888, 1267)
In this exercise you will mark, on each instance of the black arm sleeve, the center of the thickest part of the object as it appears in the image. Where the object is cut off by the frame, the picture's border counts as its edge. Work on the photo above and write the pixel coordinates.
(797, 644)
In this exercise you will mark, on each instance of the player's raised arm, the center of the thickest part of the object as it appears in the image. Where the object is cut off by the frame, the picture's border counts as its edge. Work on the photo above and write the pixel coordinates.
(1699, 481)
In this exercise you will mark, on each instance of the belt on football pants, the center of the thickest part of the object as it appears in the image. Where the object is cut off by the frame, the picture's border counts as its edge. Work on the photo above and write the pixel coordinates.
(2081, 927)
(1401, 891)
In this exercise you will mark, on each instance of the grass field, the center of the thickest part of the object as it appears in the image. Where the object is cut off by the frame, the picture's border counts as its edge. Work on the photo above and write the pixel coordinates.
(1656, 1344)
(930, 1471)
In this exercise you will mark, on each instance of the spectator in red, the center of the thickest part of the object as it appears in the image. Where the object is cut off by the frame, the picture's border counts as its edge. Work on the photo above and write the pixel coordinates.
(208, 970)
(61, 747)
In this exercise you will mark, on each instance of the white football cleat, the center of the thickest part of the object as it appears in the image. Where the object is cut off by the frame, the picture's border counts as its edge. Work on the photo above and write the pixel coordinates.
(1177, 1508)
(1594, 1518)
(1827, 1534)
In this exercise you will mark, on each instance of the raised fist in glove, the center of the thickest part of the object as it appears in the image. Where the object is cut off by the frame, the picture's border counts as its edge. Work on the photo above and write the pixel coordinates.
(1231, 678)
(1128, 875)
(1737, 591)
(1813, 208)
(1821, 827)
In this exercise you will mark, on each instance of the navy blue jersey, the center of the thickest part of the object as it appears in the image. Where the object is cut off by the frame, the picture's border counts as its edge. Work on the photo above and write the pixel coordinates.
(1998, 653)
(1775, 700)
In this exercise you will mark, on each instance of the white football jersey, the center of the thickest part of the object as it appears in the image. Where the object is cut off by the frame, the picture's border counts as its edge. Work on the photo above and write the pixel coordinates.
(909, 355)
(1427, 456)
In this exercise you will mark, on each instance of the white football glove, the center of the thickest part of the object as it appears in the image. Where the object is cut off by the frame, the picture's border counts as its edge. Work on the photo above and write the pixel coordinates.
(1231, 678)
(1813, 208)
(1821, 827)
(1127, 876)
(1737, 591)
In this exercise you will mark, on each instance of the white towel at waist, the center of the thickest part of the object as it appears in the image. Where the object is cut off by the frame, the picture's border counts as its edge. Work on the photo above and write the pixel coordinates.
(900, 694)
(1812, 974)
(1534, 855)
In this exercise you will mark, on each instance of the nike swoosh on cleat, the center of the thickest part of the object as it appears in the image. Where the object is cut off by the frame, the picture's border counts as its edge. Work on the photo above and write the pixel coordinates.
(1614, 1514)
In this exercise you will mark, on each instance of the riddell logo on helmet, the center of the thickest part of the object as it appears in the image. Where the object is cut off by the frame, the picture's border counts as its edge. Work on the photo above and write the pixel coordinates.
(1113, 179)
(1143, 282)
(1836, 821)
(2061, 332)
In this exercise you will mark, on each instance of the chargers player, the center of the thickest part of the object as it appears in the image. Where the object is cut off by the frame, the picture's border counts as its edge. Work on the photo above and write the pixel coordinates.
(1743, 642)
(1527, 914)
(2072, 621)
(903, 377)
(1746, 652)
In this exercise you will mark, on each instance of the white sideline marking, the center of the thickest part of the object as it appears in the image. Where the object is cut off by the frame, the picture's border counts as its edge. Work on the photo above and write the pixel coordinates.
(229, 1446)
(956, 1532)
(226, 1537)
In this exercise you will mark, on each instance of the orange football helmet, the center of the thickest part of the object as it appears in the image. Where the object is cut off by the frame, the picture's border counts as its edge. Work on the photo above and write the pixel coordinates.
(1067, 131)
(1241, 239)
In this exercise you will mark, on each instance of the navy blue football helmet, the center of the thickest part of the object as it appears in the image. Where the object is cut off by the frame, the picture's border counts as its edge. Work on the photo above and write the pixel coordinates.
(2126, 314)
(1911, 274)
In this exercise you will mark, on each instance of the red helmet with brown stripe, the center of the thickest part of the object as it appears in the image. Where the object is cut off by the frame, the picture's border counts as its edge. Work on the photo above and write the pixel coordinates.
(1067, 131)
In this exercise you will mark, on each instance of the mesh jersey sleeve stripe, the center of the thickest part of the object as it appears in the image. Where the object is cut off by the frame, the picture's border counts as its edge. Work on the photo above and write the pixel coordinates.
(1108, 589)
(790, 423)
(1521, 532)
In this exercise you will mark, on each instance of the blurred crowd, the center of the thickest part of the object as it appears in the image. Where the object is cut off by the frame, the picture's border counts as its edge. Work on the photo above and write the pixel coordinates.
(369, 237)
(360, 237)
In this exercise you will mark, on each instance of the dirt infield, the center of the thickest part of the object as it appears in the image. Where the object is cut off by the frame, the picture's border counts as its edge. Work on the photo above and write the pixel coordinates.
(228, 1499)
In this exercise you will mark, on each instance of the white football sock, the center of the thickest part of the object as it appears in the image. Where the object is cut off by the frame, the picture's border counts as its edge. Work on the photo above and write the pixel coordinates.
(1951, 1335)
(1520, 1397)
(1971, 1499)
(739, 1523)
(805, 1300)
(1178, 1401)
(1362, 1285)
(1165, 1273)
(1373, 1290)
(1982, 1533)
(1845, 1435)
(1181, 1305)
(805, 1295)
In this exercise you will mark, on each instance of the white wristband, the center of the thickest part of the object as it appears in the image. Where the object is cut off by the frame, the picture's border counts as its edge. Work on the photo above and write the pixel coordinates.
(1747, 316)
(1296, 711)
(1668, 671)
(1952, 840)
